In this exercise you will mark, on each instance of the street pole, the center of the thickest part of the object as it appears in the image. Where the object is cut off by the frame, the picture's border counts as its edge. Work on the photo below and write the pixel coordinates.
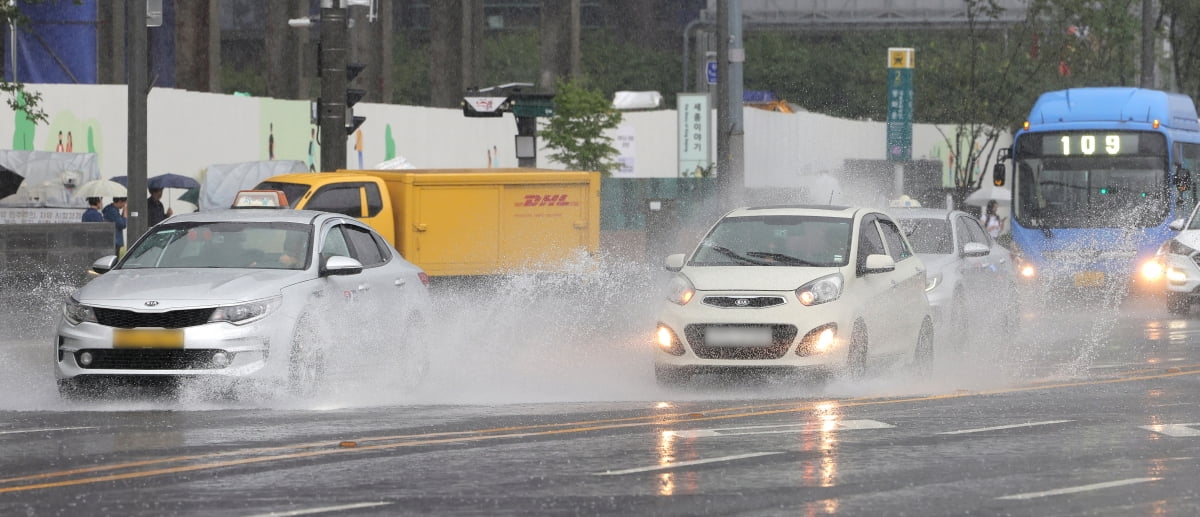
(334, 43)
(730, 132)
(137, 89)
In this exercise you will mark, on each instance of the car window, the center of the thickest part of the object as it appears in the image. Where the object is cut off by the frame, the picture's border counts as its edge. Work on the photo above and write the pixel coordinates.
(363, 246)
(929, 235)
(898, 249)
(964, 234)
(977, 233)
(776, 240)
(334, 245)
(869, 241)
(342, 198)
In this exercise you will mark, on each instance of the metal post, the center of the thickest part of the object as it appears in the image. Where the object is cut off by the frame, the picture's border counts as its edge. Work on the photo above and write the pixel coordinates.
(527, 126)
(334, 40)
(137, 89)
(730, 55)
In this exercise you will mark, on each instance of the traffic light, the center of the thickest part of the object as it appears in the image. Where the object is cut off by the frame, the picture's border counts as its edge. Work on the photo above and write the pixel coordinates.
(353, 95)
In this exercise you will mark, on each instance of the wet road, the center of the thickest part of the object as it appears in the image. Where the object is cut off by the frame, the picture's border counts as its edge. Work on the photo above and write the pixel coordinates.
(1088, 412)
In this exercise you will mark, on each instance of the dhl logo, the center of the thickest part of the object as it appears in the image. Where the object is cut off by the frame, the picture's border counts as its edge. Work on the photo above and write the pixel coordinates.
(547, 200)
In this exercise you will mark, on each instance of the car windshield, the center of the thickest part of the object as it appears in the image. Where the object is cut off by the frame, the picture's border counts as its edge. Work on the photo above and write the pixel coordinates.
(776, 240)
(929, 236)
(255, 245)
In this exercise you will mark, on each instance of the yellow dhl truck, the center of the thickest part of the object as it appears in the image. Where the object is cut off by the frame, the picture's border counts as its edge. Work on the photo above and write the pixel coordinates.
(462, 222)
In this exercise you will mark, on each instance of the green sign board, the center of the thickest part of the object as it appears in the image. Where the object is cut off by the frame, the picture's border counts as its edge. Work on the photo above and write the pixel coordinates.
(900, 114)
(532, 105)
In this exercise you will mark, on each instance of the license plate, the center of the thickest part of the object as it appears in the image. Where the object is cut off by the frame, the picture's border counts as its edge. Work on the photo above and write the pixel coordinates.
(1089, 279)
(147, 338)
(737, 336)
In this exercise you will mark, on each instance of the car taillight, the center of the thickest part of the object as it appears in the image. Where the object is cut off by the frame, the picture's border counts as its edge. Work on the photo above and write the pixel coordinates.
(424, 278)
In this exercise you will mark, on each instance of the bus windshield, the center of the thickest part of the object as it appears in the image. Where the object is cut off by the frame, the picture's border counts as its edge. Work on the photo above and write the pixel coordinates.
(1055, 189)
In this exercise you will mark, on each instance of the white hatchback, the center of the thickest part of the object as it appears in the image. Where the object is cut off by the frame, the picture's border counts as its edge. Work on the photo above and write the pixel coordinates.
(795, 287)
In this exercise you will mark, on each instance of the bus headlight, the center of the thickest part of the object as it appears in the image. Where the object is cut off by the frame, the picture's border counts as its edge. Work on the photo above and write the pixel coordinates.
(1152, 270)
(1027, 271)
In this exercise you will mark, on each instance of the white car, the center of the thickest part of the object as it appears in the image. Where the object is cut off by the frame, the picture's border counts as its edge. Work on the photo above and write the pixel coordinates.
(795, 287)
(247, 295)
(971, 281)
(1179, 257)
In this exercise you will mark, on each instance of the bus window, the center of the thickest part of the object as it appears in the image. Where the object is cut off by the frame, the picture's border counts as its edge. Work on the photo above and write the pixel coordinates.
(1187, 155)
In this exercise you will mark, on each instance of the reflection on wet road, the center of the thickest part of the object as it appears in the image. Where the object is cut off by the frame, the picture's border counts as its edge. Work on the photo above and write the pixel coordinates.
(1086, 411)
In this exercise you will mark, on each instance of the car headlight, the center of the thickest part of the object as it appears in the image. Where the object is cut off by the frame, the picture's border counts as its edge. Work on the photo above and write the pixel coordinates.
(932, 281)
(76, 313)
(244, 313)
(1175, 247)
(681, 290)
(822, 290)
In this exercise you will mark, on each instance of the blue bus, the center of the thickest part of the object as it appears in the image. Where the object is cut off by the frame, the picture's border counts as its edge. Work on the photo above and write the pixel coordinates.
(1098, 175)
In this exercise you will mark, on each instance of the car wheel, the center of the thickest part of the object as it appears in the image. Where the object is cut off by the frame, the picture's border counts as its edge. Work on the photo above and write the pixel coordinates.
(306, 367)
(1178, 304)
(670, 377)
(856, 361)
(923, 360)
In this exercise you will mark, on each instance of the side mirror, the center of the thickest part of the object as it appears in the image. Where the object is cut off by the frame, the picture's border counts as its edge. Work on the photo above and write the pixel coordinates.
(674, 263)
(340, 265)
(1183, 179)
(104, 264)
(975, 249)
(1177, 225)
(879, 264)
(998, 175)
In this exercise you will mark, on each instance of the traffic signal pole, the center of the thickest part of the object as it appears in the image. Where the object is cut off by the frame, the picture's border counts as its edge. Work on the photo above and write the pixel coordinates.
(138, 84)
(335, 39)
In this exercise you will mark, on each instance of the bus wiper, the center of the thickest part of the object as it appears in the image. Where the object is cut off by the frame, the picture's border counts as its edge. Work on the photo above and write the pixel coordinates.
(734, 255)
(780, 257)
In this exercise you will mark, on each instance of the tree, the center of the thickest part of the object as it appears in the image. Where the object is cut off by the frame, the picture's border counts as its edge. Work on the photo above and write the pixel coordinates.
(575, 133)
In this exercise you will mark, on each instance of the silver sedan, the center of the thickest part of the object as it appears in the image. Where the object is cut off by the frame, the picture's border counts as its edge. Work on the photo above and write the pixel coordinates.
(266, 296)
(971, 281)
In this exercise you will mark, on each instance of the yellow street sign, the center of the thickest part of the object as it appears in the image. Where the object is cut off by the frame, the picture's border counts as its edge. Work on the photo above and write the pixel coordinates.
(900, 57)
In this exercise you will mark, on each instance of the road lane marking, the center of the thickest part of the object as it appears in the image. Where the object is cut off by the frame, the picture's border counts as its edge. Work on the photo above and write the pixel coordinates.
(48, 429)
(1001, 427)
(468, 436)
(311, 511)
(844, 425)
(687, 463)
(1174, 430)
(1077, 489)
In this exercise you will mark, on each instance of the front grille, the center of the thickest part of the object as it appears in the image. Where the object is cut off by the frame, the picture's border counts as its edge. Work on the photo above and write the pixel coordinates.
(781, 339)
(149, 359)
(743, 302)
(170, 319)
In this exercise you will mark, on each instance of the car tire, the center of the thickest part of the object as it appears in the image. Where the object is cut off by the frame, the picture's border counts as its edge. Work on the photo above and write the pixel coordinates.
(924, 354)
(306, 363)
(667, 377)
(856, 360)
(1178, 304)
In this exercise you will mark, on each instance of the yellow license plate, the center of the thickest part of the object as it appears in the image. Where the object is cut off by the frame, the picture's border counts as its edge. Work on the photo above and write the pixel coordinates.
(147, 338)
(1089, 279)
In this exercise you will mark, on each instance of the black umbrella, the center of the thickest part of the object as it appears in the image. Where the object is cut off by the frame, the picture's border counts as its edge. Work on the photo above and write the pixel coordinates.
(10, 181)
(169, 180)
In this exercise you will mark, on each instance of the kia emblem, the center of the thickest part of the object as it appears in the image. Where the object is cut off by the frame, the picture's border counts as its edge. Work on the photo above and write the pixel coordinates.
(151, 303)
(741, 302)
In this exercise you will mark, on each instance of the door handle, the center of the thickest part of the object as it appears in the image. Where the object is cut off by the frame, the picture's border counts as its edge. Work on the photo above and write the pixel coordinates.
(421, 227)
(364, 287)
(399, 282)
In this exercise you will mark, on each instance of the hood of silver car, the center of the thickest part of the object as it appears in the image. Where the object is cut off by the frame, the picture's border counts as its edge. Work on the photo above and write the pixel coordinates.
(186, 287)
(753, 278)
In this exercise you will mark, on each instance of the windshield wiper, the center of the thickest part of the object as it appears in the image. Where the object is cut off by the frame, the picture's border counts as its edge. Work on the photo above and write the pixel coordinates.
(734, 255)
(780, 257)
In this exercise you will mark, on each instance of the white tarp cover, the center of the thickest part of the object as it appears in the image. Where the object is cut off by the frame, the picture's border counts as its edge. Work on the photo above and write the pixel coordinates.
(636, 100)
(223, 181)
(50, 178)
(394, 164)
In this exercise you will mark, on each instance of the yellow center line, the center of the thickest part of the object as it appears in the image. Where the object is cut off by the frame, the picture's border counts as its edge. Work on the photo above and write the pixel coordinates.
(513, 432)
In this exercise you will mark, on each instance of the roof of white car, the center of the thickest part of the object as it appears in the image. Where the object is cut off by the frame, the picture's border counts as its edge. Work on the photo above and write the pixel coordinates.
(250, 215)
(921, 213)
(809, 210)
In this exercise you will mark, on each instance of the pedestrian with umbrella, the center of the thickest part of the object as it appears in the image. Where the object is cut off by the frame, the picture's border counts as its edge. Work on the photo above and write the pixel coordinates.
(163, 181)
(154, 208)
